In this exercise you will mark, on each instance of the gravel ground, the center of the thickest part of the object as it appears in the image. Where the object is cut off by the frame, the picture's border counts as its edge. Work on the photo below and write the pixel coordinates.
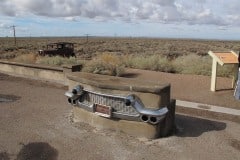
(35, 121)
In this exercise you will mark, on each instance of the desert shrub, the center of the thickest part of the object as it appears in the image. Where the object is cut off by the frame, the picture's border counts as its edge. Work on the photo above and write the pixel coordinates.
(225, 71)
(200, 65)
(193, 64)
(136, 62)
(10, 49)
(106, 64)
(187, 64)
(56, 60)
(26, 58)
(7, 56)
(153, 62)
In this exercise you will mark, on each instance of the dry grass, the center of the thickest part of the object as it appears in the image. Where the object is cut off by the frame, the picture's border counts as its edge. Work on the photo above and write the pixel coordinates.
(154, 62)
(193, 64)
(132, 46)
(200, 65)
(114, 65)
(167, 55)
(56, 60)
(187, 64)
(26, 58)
(107, 64)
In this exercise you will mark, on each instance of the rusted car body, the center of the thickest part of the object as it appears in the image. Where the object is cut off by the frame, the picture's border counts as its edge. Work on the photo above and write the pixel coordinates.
(64, 49)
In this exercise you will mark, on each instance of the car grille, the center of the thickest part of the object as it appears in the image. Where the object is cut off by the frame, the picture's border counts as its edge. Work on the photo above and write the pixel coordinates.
(117, 103)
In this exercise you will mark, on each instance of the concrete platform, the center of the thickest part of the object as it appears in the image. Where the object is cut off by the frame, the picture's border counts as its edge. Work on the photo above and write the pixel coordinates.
(208, 111)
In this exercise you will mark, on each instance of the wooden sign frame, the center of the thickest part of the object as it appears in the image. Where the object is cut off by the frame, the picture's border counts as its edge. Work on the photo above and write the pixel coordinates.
(223, 58)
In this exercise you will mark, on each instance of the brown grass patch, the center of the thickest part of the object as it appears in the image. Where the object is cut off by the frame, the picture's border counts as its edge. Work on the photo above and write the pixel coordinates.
(26, 58)
(106, 64)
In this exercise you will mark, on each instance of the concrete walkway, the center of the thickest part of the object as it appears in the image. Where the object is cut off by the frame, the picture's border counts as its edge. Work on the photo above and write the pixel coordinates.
(192, 88)
(210, 108)
(209, 111)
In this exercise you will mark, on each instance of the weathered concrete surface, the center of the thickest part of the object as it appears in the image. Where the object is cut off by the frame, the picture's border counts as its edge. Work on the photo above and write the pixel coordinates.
(130, 127)
(54, 74)
(37, 71)
(208, 111)
(39, 117)
(153, 95)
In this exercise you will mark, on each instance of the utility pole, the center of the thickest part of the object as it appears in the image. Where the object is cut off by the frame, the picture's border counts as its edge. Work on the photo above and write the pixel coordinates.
(87, 35)
(14, 34)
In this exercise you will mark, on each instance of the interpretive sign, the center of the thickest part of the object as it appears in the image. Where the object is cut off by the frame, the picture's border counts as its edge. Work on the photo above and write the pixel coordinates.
(223, 58)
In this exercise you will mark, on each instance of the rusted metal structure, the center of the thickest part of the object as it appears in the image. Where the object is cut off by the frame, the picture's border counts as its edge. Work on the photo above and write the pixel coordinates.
(64, 49)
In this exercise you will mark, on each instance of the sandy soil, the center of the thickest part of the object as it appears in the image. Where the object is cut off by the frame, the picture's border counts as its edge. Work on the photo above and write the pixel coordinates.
(35, 121)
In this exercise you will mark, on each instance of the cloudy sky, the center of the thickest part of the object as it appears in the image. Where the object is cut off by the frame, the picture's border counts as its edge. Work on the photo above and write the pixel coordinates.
(205, 19)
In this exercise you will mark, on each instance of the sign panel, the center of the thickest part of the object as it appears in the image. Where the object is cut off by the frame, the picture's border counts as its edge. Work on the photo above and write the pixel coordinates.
(224, 57)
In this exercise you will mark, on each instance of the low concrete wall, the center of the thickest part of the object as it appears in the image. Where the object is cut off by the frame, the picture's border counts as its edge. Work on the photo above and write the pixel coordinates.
(154, 95)
(35, 71)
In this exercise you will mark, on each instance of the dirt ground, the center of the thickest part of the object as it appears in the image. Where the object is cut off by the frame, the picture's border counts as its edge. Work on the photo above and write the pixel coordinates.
(35, 121)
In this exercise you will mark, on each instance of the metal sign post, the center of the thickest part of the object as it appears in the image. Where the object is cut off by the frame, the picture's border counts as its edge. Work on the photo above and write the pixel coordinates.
(237, 89)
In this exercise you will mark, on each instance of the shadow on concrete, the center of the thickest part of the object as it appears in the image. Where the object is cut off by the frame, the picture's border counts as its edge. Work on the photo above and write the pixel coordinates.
(235, 144)
(37, 151)
(3, 76)
(4, 156)
(225, 89)
(193, 127)
(130, 75)
(8, 98)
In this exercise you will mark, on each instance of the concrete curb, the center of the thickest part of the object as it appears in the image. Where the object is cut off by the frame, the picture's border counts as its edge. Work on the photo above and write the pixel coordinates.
(208, 111)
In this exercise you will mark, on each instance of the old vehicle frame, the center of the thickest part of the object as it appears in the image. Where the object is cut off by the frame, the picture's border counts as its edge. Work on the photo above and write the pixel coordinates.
(64, 49)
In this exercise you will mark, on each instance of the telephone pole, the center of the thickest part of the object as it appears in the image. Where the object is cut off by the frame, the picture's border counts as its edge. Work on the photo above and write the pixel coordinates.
(14, 34)
(87, 35)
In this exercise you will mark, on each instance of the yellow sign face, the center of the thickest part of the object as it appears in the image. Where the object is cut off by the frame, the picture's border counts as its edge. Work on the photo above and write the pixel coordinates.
(227, 57)
(224, 57)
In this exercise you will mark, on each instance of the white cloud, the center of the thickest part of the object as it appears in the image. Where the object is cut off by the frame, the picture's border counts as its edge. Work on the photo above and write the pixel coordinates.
(164, 11)
(205, 13)
(70, 18)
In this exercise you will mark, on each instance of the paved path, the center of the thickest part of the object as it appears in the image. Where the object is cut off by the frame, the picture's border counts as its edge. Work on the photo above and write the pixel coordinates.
(210, 108)
(207, 111)
(37, 122)
(192, 88)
